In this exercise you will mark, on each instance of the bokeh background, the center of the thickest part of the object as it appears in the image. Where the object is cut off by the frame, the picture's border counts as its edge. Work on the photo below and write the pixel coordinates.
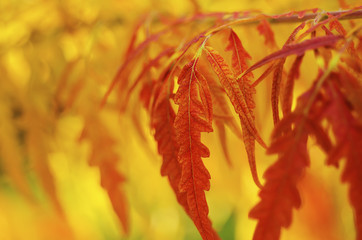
(57, 59)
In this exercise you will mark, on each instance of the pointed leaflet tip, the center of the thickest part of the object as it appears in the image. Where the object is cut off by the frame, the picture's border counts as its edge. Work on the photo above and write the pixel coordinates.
(249, 142)
(239, 54)
(240, 94)
(239, 64)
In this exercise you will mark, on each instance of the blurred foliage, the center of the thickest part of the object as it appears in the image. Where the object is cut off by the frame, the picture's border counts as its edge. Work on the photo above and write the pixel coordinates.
(57, 59)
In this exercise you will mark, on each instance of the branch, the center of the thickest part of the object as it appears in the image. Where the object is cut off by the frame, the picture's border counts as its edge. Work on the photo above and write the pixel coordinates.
(296, 18)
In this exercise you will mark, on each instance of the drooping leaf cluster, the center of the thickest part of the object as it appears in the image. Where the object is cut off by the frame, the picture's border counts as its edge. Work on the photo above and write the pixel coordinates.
(329, 109)
(191, 82)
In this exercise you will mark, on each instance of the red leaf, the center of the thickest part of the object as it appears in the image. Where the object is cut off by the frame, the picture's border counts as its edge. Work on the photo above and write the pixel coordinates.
(321, 136)
(335, 24)
(221, 108)
(273, 66)
(221, 113)
(239, 54)
(291, 38)
(205, 97)
(233, 91)
(280, 195)
(348, 133)
(348, 14)
(352, 174)
(239, 64)
(297, 49)
(287, 50)
(264, 29)
(191, 120)
(163, 118)
(241, 96)
(146, 93)
(327, 31)
(352, 84)
(278, 74)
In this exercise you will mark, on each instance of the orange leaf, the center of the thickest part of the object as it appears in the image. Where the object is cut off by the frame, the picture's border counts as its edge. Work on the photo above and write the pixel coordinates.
(239, 54)
(221, 109)
(193, 118)
(242, 102)
(264, 29)
(239, 64)
(243, 106)
(163, 118)
(347, 129)
(278, 74)
(280, 195)
(106, 159)
(233, 91)
(221, 113)
(335, 24)
(297, 49)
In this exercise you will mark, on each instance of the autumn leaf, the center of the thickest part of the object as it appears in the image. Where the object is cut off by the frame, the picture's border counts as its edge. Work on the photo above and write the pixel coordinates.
(193, 117)
(232, 89)
(347, 129)
(163, 119)
(280, 195)
(241, 99)
(296, 49)
(264, 29)
(108, 112)
(107, 160)
(239, 64)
